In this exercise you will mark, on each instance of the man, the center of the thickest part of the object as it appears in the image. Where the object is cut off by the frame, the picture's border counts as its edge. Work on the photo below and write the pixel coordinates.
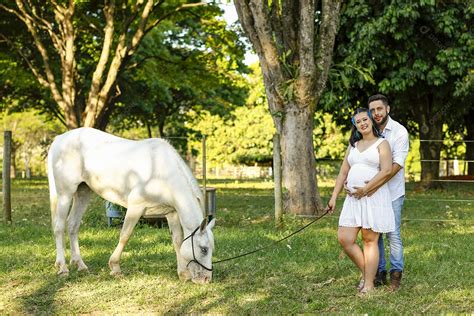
(397, 136)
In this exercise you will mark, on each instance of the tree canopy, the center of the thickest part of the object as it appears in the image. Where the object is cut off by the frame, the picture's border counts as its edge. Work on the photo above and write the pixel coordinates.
(79, 51)
(419, 56)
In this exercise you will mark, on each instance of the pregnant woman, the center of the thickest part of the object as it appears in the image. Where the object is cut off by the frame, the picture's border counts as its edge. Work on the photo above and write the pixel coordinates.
(367, 163)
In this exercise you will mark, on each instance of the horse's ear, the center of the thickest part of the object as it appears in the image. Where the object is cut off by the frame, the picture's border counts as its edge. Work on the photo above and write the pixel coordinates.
(211, 223)
(203, 224)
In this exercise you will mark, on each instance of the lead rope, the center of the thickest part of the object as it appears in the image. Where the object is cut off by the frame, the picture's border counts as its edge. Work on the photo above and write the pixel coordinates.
(276, 242)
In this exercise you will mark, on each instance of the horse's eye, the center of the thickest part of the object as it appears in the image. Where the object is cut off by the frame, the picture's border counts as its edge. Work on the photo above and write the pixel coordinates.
(204, 250)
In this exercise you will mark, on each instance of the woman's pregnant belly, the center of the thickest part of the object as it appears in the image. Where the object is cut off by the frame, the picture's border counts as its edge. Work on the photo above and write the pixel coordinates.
(358, 174)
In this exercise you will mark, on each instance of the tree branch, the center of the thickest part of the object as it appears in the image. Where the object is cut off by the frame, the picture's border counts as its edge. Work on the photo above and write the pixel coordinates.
(12, 11)
(98, 100)
(306, 79)
(44, 55)
(246, 19)
(33, 69)
(47, 26)
(289, 21)
(140, 32)
(68, 62)
(327, 35)
(176, 10)
(109, 12)
(263, 28)
(254, 20)
(306, 37)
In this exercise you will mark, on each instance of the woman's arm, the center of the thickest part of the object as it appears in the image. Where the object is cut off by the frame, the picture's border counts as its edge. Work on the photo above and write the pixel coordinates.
(342, 176)
(385, 156)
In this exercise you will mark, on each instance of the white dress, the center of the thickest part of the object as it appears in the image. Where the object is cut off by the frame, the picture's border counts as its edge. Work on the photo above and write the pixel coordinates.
(374, 212)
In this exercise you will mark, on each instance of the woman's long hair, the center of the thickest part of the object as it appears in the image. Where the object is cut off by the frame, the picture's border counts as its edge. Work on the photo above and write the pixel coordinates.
(355, 135)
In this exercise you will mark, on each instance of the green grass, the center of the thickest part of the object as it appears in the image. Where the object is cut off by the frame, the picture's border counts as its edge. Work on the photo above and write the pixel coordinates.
(305, 274)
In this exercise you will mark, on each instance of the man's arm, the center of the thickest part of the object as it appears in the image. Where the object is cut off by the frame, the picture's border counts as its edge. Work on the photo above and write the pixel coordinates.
(395, 168)
(399, 155)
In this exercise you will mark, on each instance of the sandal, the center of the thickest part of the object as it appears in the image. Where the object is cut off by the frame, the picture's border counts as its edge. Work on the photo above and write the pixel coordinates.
(365, 292)
(360, 286)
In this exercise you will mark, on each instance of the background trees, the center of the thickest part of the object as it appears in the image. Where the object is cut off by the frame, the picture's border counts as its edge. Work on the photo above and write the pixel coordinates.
(186, 78)
(182, 65)
(84, 47)
(32, 134)
(418, 55)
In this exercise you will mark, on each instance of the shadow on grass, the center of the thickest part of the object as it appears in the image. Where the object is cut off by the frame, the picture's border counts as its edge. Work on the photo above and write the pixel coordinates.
(42, 300)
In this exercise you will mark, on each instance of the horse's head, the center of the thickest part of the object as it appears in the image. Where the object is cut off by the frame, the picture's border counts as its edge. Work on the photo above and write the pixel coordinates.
(197, 250)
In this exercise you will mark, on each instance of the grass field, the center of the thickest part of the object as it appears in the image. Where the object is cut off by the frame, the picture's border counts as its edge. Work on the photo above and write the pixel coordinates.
(305, 274)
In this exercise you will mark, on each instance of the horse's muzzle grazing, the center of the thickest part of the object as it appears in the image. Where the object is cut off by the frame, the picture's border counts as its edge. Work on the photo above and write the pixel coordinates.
(203, 279)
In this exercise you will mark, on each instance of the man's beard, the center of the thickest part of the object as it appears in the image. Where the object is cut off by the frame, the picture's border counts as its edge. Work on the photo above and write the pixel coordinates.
(382, 122)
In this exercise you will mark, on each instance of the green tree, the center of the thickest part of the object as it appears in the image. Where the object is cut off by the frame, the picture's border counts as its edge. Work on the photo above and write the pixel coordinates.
(79, 49)
(294, 42)
(32, 133)
(200, 68)
(419, 55)
(244, 136)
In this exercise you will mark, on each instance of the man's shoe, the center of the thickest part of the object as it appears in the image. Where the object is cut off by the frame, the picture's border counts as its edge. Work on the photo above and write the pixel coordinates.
(380, 278)
(395, 279)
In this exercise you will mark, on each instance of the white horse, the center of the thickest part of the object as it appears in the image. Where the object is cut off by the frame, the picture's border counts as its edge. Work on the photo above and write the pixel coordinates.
(143, 176)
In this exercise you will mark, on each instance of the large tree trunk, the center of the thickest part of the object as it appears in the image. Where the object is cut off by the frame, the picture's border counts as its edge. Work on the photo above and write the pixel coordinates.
(295, 57)
(299, 166)
(431, 128)
(469, 119)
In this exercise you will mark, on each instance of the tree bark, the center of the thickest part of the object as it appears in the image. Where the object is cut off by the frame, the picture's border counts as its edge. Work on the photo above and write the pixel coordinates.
(295, 57)
(299, 164)
(431, 128)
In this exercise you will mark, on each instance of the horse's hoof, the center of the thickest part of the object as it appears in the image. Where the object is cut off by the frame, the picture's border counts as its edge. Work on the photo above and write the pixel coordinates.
(63, 274)
(83, 270)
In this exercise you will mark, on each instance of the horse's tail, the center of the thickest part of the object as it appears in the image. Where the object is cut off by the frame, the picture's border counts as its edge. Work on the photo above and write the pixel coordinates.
(53, 195)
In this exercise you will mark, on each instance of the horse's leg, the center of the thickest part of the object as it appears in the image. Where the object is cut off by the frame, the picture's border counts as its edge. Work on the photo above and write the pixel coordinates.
(131, 218)
(80, 201)
(177, 236)
(59, 223)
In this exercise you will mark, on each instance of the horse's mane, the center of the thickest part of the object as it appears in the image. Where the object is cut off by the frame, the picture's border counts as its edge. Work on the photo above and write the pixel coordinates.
(192, 182)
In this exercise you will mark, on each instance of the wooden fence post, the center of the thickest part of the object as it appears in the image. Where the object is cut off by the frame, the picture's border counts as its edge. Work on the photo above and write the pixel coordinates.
(6, 177)
(277, 180)
(204, 174)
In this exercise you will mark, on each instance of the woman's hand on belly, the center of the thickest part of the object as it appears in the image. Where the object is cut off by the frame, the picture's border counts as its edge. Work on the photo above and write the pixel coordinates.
(359, 192)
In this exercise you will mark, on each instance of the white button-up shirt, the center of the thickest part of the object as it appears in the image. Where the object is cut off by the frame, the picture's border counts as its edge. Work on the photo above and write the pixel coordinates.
(397, 136)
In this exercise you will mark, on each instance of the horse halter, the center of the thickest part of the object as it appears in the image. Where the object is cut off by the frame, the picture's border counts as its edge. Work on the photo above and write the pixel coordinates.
(192, 246)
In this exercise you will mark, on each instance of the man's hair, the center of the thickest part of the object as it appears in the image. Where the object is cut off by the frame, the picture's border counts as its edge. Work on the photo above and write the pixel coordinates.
(377, 97)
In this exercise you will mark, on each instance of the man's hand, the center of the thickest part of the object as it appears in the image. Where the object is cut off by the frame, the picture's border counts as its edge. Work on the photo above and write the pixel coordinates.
(359, 192)
(346, 188)
(371, 192)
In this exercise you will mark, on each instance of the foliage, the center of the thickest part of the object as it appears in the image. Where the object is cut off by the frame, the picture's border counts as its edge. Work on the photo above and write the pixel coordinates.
(409, 48)
(245, 135)
(330, 140)
(85, 49)
(417, 54)
(304, 274)
(195, 64)
(31, 135)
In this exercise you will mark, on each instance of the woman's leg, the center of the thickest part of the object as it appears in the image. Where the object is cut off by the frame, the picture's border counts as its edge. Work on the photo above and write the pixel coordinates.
(371, 256)
(347, 238)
